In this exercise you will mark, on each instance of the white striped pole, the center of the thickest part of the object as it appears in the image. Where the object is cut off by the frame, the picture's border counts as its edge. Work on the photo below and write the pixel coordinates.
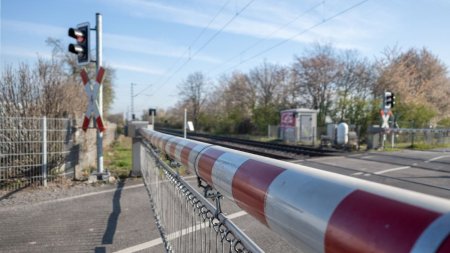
(315, 210)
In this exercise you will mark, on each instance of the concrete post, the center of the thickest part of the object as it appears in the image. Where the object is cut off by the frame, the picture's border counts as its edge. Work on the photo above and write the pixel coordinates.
(138, 150)
(137, 156)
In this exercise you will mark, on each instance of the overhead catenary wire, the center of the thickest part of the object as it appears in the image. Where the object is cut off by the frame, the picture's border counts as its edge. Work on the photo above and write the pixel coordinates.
(205, 44)
(192, 43)
(268, 36)
(325, 20)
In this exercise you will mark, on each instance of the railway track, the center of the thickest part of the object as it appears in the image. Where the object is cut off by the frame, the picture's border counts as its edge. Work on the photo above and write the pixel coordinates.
(268, 149)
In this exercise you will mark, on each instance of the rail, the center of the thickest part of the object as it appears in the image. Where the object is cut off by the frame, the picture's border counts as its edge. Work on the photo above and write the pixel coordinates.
(294, 149)
(315, 210)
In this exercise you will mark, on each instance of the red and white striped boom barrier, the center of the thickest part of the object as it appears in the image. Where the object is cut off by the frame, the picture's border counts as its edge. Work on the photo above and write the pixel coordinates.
(315, 210)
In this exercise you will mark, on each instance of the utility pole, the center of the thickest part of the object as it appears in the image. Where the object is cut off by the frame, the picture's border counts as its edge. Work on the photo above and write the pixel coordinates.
(132, 101)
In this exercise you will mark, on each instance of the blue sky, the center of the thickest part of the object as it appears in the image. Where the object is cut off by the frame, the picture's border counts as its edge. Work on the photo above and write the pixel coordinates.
(147, 40)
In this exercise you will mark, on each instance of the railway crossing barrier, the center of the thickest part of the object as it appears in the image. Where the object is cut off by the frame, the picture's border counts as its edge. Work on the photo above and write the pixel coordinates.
(315, 210)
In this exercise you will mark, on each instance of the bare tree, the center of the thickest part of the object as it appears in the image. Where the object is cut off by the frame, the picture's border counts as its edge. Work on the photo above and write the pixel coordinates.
(193, 92)
(229, 107)
(354, 85)
(417, 77)
(267, 80)
(316, 76)
(43, 90)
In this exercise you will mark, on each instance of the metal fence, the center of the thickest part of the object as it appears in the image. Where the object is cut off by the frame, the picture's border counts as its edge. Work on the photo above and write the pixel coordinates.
(187, 221)
(33, 151)
(408, 137)
(312, 209)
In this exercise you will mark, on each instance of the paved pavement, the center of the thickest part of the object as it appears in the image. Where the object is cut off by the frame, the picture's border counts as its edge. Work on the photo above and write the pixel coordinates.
(119, 219)
(104, 221)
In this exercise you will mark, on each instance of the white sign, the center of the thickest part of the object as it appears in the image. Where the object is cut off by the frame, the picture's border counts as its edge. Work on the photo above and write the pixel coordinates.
(190, 126)
(92, 89)
(385, 117)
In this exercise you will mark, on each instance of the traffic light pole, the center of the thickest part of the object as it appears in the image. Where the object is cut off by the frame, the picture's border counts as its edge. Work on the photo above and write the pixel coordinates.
(99, 60)
(383, 143)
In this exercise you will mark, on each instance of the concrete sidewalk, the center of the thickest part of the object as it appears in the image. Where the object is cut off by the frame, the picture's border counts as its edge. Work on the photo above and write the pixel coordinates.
(105, 221)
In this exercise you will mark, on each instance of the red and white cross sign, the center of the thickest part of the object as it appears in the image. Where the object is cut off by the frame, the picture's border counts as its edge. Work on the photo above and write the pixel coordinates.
(92, 89)
(385, 116)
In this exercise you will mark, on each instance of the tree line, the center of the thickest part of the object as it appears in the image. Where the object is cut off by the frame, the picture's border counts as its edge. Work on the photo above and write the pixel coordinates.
(341, 84)
(50, 87)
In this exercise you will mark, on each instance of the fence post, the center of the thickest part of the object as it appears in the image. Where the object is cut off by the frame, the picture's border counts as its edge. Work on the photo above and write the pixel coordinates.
(44, 151)
(314, 136)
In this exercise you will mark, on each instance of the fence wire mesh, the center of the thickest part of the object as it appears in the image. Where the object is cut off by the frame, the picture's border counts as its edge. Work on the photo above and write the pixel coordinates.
(187, 221)
(33, 151)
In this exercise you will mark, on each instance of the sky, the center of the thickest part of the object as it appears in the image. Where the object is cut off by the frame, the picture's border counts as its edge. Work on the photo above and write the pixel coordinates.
(156, 44)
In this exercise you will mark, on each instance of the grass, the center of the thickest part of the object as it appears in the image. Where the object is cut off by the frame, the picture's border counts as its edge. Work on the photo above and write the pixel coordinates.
(416, 146)
(118, 157)
(425, 146)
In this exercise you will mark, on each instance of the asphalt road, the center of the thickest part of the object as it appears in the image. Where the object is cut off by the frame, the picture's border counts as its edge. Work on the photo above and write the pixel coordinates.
(421, 171)
(119, 218)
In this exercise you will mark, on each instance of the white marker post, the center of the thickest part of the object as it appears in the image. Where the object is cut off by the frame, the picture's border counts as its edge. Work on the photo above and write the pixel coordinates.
(185, 122)
(99, 30)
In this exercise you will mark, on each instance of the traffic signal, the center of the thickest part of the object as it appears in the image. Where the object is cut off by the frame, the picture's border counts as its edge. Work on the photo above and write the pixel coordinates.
(151, 112)
(81, 48)
(389, 100)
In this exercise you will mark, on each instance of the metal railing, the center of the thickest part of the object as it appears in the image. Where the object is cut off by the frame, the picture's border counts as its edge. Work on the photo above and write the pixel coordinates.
(410, 137)
(33, 151)
(315, 210)
(187, 221)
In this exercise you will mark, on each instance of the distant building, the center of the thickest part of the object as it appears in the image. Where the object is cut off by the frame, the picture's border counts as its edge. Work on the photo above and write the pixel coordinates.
(299, 125)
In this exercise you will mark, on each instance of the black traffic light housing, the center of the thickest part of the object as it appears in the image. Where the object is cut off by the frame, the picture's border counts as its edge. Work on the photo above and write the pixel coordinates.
(152, 110)
(389, 99)
(81, 48)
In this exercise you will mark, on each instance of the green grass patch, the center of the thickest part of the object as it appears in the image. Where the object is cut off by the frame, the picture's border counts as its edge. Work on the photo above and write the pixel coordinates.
(118, 157)
(425, 146)
(415, 146)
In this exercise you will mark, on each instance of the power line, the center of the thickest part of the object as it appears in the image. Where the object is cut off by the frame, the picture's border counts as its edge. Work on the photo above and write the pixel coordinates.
(210, 22)
(206, 43)
(193, 42)
(270, 35)
(325, 20)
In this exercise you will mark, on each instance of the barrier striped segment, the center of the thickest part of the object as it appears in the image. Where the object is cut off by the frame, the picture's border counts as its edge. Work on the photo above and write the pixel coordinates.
(315, 210)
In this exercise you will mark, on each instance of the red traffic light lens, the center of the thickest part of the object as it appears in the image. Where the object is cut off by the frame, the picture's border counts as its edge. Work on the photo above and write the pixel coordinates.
(76, 34)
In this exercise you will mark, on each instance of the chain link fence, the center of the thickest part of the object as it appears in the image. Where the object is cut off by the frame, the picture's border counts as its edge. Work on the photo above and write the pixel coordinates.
(186, 220)
(34, 151)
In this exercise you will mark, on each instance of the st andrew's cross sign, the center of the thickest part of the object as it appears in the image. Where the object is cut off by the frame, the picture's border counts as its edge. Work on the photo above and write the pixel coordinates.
(92, 89)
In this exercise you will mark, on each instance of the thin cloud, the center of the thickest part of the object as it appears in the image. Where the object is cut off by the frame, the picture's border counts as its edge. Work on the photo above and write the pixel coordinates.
(146, 46)
(23, 52)
(33, 28)
(112, 41)
(260, 19)
(139, 69)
